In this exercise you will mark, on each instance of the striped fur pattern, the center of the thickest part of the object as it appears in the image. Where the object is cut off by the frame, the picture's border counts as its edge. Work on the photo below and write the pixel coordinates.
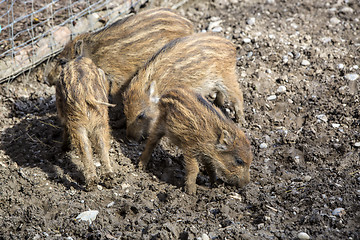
(123, 47)
(204, 134)
(81, 101)
(203, 62)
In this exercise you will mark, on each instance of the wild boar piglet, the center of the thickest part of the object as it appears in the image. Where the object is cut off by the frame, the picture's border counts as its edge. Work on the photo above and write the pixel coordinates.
(124, 46)
(203, 62)
(204, 134)
(82, 106)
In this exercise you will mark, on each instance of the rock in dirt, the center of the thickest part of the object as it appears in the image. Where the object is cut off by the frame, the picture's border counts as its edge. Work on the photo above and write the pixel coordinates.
(281, 89)
(214, 25)
(217, 29)
(88, 216)
(307, 178)
(204, 236)
(339, 212)
(334, 20)
(271, 97)
(250, 21)
(305, 62)
(246, 40)
(351, 76)
(236, 196)
(340, 66)
(263, 145)
(303, 236)
(347, 10)
(357, 144)
(322, 117)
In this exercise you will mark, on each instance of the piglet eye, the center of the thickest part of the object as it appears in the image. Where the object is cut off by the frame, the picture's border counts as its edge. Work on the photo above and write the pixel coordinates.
(141, 115)
(239, 161)
(62, 61)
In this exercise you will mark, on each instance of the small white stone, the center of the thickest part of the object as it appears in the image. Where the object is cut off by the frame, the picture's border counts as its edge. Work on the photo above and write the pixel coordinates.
(340, 66)
(281, 89)
(294, 25)
(204, 236)
(305, 62)
(99, 187)
(351, 76)
(260, 226)
(335, 125)
(125, 186)
(326, 40)
(307, 178)
(250, 21)
(217, 29)
(290, 101)
(97, 164)
(347, 10)
(246, 40)
(357, 144)
(236, 196)
(355, 67)
(88, 216)
(110, 204)
(271, 36)
(322, 117)
(263, 145)
(343, 89)
(338, 212)
(271, 97)
(268, 71)
(303, 236)
(334, 20)
(215, 24)
(270, 1)
(285, 59)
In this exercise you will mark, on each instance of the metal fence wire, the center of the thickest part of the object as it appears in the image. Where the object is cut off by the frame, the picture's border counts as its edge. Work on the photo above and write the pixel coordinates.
(32, 31)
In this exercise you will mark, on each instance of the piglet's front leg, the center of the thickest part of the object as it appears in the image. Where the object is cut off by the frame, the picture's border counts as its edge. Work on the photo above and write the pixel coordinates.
(192, 170)
(151, 143)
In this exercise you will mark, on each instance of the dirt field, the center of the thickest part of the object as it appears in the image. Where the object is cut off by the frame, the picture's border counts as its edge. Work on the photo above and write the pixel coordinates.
(298, 64)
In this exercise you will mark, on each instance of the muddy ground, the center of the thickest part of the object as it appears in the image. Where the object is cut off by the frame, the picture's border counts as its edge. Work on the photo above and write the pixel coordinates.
(299, 70)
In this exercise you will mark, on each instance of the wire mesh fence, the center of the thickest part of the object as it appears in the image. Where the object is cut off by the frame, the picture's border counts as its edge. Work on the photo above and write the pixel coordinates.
(32, 31)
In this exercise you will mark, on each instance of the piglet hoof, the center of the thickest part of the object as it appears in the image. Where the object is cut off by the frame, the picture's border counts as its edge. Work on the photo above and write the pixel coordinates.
(90, 185)
(108, 179)
(190, 189)
(240, 120)
(141, 166)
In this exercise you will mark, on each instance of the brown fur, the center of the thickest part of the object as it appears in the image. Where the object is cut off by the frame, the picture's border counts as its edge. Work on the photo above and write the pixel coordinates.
(203, 62)
(81, 101)
(204, 133)
(123, 47)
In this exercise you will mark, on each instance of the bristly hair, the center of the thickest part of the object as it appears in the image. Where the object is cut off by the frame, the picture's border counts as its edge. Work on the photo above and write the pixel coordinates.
(209, 106)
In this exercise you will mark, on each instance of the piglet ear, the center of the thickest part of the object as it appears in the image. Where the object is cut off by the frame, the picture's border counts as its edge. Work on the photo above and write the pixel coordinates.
(154, 98)
(225, 139)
